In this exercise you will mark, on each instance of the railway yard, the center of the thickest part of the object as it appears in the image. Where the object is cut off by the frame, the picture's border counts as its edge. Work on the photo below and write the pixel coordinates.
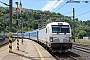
(78, 52)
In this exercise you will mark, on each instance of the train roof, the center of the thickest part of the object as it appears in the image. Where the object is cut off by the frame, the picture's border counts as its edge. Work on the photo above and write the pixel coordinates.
(34, 31)
(58, 23)
(55, 23)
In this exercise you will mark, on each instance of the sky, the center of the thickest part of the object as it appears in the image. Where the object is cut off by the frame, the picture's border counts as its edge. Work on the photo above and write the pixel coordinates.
(82, 9)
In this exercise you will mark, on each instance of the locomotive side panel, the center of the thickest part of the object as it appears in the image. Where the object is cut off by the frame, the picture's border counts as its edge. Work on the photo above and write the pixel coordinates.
(42, 35)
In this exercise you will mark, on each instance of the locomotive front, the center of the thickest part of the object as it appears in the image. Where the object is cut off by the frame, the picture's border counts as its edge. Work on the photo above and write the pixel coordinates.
(60, 36)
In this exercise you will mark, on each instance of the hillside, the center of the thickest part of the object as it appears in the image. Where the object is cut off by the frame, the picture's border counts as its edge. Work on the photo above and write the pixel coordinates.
(31, 18)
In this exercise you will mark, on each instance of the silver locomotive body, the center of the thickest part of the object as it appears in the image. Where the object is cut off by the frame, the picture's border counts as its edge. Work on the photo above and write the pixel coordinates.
(56, 36)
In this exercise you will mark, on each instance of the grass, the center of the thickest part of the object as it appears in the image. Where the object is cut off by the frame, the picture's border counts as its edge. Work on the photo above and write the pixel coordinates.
(82, 41)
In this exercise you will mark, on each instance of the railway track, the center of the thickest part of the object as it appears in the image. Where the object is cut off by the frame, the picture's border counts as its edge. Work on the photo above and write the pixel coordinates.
(64, 56)
(3, 45)
(5, 42)
(67, 56)
(82, 48)
(83, 45)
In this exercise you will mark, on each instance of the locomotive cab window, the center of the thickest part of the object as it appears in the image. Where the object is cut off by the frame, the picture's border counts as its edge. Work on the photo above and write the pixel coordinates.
(65, 29)
(60, 29)
(56, 29)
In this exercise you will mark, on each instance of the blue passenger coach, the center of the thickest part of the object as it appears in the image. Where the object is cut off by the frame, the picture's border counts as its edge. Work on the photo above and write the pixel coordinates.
(34, 35)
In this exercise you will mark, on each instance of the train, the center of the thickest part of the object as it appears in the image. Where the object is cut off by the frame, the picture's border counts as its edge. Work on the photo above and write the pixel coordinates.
(55, 36)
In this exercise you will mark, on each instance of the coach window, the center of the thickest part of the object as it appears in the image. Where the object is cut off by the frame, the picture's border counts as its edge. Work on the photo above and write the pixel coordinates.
(46, 30)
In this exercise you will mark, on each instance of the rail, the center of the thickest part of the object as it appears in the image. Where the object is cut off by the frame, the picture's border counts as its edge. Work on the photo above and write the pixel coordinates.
(74, 58)
(5, 42)
(65, 56)
(81, 48)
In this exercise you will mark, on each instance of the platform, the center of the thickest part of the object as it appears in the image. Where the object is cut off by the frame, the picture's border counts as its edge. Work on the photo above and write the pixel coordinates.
(29, 50)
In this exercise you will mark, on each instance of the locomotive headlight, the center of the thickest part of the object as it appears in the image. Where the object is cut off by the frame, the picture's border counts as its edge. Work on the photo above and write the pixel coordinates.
(51, 39)
(69, 39)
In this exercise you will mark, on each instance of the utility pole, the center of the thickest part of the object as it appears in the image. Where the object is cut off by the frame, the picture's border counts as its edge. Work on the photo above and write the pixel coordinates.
(74, 23)
(17, 25)
(4, 30)
(21, 20)
(73, 16)
(10, 26)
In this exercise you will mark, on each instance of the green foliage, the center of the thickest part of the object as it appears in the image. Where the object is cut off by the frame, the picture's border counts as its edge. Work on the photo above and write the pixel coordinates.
(30, 19)
(82, 33)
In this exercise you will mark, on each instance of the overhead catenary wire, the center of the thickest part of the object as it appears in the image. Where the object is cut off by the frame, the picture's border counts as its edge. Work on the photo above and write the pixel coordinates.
(77, 9)
(82, 7)
(53, 5)
(72, 11)
(83, 13)
(61, 7)
(86, 18)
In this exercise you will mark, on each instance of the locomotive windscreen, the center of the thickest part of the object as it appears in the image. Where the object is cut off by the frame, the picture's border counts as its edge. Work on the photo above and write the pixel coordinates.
(60, 29)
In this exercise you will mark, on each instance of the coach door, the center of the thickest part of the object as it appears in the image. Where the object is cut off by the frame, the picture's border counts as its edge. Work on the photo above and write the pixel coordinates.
(46, 35)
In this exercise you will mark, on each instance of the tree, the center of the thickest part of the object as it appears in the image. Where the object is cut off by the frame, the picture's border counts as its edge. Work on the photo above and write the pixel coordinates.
(82, 34)
(31, 19)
